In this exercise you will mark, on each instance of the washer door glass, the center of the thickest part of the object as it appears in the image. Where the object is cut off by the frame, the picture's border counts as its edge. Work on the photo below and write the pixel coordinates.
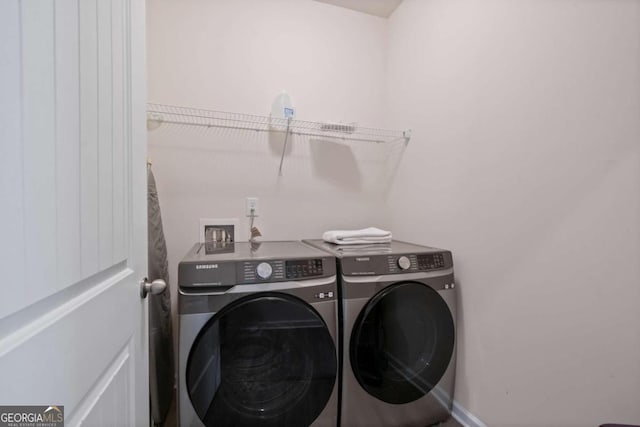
(402, 342)
(264, 360)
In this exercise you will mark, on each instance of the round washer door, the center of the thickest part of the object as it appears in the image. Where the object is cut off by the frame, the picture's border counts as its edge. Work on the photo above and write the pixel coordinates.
(402, 342)
(264, 360)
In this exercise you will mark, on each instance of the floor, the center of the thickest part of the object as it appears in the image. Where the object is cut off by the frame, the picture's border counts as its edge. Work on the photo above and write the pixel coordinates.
(171, 420)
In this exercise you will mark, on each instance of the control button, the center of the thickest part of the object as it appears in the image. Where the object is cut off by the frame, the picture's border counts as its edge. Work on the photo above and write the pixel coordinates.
(446, 286)
(453, 285)
(404, 262)
(264, 270)
(330, 294)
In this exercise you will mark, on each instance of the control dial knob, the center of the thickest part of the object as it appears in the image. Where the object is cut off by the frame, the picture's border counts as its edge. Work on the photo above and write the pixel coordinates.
(264, 270)
(404, 263)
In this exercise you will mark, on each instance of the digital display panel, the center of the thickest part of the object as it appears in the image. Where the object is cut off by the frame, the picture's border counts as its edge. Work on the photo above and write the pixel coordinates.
(303, 268)
(430, 261)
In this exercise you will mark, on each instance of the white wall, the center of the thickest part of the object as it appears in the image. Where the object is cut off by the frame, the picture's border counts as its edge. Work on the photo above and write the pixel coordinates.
(237, 56)
(525, 161)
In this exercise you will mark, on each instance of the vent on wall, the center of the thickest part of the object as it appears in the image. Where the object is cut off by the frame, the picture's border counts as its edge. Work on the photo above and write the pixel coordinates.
(338, 127)
(382, 8)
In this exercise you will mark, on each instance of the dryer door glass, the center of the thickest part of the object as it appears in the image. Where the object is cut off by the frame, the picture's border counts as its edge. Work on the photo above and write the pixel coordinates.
(402, 342)
(265, 360)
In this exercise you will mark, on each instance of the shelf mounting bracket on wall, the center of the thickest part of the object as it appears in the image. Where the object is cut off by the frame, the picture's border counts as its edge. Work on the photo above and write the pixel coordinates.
(284, 146)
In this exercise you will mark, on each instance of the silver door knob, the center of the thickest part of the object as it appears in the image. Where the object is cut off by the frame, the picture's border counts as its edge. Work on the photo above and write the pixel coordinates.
(156, 287)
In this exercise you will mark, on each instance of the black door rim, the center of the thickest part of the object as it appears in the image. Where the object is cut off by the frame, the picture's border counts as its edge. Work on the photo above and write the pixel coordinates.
(304, 385)
(401, 371)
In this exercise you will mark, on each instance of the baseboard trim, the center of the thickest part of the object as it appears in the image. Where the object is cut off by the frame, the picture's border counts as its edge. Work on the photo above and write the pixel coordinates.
(464, 417)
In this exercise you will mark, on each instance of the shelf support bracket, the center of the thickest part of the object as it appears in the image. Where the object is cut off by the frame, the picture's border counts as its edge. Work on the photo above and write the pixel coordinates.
(284, 146)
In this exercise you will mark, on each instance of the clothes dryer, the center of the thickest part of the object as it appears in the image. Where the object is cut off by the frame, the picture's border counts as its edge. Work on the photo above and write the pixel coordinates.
(257, 343)
(398, 333)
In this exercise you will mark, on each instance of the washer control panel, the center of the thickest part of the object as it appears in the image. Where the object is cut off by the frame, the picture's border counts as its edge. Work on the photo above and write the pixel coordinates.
(260, 271)
(404, 263)
(264, 270)
(255, 263)
(304, 268)
(280, 270)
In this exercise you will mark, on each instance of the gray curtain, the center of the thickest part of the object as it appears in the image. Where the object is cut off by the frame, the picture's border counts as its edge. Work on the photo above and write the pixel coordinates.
(161, 371)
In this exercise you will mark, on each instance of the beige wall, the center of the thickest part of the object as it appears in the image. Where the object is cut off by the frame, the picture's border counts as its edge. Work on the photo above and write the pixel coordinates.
(237, 56)
(525, 161)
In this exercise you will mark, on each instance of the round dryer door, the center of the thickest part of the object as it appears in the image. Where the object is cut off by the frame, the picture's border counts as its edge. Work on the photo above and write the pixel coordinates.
(265, 360)
(402, 342)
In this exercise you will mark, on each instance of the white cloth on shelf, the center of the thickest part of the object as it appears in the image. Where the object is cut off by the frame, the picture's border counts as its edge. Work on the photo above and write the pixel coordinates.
(354, 237)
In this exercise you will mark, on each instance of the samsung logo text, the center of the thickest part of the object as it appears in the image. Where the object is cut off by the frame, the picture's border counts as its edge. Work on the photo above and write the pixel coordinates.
(206, 266)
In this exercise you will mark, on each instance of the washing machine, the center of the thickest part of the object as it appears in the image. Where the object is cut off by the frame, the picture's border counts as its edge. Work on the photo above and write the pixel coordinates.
(399, 330)
(258, 335)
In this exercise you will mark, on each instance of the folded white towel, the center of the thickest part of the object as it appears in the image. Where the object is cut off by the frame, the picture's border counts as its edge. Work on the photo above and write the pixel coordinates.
(353, 237)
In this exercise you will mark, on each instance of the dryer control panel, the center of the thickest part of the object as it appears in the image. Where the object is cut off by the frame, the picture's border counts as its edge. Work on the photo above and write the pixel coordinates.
(416, 262)
(396, 263)
(431, 261)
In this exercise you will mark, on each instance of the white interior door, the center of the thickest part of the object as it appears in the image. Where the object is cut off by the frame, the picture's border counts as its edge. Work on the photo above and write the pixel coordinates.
(73, 209)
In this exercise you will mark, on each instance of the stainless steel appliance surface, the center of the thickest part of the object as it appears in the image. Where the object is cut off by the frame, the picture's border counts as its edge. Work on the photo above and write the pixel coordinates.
(398, 319)
(258, 335)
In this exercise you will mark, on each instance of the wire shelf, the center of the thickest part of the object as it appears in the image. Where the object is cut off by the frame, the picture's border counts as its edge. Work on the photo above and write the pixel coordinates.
(158, 114)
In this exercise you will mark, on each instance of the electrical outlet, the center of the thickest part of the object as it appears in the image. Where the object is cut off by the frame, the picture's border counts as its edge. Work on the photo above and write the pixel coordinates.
(252, 206)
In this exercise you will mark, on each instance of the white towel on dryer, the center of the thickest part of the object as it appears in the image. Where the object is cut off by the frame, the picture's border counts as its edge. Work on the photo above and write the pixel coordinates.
(354, 237)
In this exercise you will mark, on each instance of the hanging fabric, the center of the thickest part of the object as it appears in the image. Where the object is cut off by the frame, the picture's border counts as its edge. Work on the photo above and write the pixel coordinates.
(161, 365)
